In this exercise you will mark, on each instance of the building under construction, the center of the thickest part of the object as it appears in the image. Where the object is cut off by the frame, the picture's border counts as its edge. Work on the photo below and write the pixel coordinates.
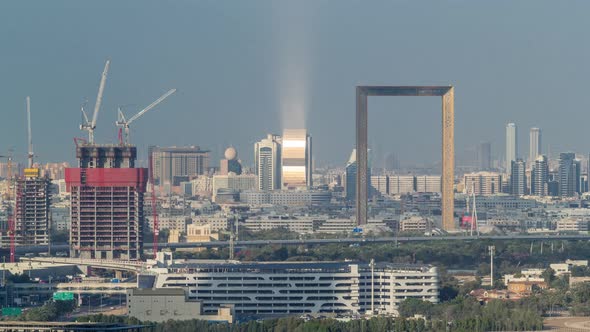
(106, 202)
(32, 209)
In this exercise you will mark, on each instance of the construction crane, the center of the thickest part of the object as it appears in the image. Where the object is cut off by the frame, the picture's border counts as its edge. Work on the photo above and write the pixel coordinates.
(123, 123)
(91, 125)
(30, 137)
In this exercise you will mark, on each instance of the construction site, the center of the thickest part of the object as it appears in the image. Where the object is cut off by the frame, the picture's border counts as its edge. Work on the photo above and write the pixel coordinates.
(107, 191)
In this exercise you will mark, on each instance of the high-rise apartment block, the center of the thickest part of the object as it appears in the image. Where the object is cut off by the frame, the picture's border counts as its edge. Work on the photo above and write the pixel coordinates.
(483, 183)
(173, 165)
(511, 145)
(380, 184)
(428, 183)
(350, 177)
(32, 208)
(267, 159)
(534, 144)
(484, 156)
(401, 184)
(540, 177)
(107, 197)
(518, 178)
(296, 160)
(567, 176)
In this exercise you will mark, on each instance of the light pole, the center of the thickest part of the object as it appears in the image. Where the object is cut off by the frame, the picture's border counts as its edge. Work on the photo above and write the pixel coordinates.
(492, 250)
(372, 264)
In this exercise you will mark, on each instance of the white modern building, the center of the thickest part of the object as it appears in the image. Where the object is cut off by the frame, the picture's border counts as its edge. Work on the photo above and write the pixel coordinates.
(267, 159)
(534, 144)
(511, 145)
(290, 288)
(233, 182)
(287, 197)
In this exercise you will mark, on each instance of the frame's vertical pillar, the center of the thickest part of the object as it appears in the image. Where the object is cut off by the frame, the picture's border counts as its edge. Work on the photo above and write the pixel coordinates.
(361, 156)
(448, 159)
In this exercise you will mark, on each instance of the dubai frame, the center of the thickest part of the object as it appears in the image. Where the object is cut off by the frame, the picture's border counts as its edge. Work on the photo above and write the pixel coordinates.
(448, 144)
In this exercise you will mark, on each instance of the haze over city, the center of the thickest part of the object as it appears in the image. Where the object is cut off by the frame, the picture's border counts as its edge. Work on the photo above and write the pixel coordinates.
(232, 166)
(245, 69)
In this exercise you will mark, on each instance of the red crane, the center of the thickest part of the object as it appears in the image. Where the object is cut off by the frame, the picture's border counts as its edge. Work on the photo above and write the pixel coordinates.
(154, 207)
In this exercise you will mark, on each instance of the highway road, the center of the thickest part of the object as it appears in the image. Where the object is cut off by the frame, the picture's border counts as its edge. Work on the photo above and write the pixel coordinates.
(359, 240)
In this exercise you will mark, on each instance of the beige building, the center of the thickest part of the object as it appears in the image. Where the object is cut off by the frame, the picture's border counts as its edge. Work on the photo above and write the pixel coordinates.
(200, 233)
(572, 224)
(160, 305)
(484, 183)
(380, 183)
(413, 224)
(401, 184)
(174, 236)
(428, 183)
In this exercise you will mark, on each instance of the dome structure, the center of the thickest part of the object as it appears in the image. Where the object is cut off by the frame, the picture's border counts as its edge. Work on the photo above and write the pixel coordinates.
(231, 153)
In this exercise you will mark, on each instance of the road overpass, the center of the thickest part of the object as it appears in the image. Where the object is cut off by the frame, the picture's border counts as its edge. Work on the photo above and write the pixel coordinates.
(108, 264)
(359, 240)
(95, 287)
(367, 240)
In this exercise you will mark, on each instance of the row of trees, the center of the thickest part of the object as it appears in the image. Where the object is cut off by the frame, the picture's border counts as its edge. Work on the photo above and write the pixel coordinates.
(489, 321)
(511, 256)
(51, 311)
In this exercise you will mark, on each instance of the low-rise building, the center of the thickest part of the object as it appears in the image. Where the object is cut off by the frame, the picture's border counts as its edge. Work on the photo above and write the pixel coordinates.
(287, 197)
(566, 268)
(218, 223)
(160, 305)
(413, 223)
(525, 287)
(177, 223)
(572, 224)
(200, 233)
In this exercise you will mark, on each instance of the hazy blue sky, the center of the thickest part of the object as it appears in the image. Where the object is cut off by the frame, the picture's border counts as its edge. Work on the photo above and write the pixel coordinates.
(245, 68)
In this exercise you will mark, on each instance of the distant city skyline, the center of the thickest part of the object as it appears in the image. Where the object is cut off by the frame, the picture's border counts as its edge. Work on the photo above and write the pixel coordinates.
(234, 72)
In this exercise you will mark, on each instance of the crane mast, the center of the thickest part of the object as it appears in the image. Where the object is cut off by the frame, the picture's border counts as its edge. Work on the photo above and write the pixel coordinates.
(123, 123)
(90, 126)
(30, 135)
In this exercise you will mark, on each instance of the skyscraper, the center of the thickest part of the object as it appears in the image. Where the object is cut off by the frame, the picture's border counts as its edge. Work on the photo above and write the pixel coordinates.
(511, 145)
(296, 159)
(534, 144)
(267, 160)
(350, 180)
(578, 175)
(32, 208)
(518, 178)
(106, 203)
(484, 156)
(173, 165)
(540, 177)
(566, 176)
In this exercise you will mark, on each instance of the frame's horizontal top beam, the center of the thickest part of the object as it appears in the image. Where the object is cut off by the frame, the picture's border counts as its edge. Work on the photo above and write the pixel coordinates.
(375, 90)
